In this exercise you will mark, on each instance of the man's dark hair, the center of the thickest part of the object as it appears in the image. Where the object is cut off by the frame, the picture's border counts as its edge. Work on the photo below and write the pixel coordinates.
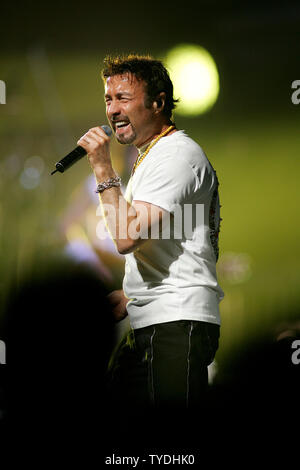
(145, 68)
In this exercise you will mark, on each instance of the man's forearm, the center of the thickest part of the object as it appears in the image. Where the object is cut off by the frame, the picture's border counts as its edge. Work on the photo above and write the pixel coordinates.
(119, 214)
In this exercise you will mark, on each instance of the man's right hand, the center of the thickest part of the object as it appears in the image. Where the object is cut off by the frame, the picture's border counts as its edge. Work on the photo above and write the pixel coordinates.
(118, 302)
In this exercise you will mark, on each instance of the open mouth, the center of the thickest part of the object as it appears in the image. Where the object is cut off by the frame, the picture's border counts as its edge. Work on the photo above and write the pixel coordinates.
(121, 125)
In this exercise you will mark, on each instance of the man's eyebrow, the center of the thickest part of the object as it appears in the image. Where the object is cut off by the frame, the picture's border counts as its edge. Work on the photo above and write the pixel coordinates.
(118, 95)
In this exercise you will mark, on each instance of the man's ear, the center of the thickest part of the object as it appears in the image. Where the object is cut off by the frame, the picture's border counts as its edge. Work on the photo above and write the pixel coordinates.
(159, 102)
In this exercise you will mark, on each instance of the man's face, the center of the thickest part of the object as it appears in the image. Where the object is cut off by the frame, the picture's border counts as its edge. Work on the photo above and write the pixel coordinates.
(125, 98)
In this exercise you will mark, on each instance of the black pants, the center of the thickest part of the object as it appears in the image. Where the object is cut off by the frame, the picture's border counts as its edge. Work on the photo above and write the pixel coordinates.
(164, 365)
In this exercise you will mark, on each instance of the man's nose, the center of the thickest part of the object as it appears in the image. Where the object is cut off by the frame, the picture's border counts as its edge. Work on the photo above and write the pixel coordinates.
(113, 109)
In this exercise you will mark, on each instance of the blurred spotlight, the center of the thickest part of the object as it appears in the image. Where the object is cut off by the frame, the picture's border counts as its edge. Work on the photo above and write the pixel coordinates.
(31, 175)
(35, 162)
(195, 78)
(235, 267)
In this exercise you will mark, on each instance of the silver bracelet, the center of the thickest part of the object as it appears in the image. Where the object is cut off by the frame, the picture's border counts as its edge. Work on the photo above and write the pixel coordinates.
(108, 184)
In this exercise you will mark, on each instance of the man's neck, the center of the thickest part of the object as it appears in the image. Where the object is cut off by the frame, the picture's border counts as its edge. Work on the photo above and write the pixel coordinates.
(142, 147)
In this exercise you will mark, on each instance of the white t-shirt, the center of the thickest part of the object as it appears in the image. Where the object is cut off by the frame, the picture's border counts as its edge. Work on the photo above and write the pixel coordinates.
(174, 277)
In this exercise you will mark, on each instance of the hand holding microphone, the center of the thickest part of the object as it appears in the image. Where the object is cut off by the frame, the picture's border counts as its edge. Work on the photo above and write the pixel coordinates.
(95, 139)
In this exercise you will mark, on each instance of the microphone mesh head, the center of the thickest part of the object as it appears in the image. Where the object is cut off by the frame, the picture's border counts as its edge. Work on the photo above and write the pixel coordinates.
(107, 130)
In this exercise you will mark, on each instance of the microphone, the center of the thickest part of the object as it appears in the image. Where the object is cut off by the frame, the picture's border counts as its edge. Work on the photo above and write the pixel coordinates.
(75, 155)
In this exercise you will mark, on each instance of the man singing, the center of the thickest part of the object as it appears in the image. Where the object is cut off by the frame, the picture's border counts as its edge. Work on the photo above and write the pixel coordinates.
(170, 289)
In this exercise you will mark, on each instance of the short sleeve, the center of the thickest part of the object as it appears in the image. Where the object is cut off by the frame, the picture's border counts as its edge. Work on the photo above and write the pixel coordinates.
(166, 183)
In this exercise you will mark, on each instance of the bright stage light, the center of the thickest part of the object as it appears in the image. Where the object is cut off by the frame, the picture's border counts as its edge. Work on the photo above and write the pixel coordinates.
(195, 78)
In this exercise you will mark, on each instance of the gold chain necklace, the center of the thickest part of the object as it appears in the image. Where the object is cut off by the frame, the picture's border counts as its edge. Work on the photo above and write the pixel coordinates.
(140, 158)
